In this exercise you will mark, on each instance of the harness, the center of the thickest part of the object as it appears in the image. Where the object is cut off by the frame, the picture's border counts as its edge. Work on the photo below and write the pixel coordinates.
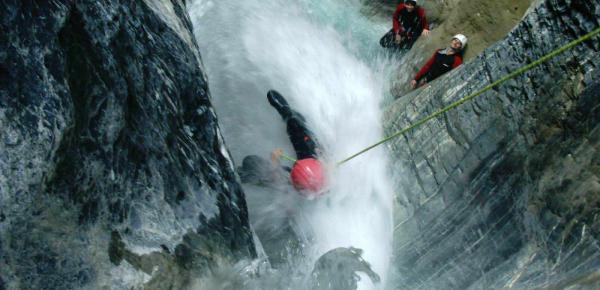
(443, 63)
(411, 22)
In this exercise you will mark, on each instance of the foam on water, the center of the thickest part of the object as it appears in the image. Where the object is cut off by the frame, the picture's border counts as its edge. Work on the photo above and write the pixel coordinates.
(251, 46)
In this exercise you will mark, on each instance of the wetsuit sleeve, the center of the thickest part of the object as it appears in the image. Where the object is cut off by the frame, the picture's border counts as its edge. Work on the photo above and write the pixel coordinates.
(424, 23)
(397, 27)
(457, 61)
(425, 69)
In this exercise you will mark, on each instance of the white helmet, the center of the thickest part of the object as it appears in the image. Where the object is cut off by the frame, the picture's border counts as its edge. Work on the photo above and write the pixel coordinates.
(463, 39)
(416, 2)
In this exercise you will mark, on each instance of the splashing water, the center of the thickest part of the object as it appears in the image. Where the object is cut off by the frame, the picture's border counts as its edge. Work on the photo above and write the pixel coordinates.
(252, 46)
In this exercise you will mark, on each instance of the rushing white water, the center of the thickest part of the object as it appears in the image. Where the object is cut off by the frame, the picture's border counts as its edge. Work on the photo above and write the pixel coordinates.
(251, 46)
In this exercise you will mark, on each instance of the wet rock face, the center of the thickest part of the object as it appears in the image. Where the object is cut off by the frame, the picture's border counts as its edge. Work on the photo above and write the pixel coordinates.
(503, 191)
(106, 127)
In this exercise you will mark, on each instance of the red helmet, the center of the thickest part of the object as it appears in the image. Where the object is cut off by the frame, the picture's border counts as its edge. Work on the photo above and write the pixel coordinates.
(307, 177)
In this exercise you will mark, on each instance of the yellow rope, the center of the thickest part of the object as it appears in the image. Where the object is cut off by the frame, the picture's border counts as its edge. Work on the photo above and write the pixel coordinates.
(288, 158)
(485, 89)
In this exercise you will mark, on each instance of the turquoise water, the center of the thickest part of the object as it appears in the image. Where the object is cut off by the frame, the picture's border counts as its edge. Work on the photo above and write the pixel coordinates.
(360, 33)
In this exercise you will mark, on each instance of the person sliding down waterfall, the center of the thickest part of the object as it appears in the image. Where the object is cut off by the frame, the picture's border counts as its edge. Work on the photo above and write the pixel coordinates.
(442, 61)
(409, 22)
(306, 174)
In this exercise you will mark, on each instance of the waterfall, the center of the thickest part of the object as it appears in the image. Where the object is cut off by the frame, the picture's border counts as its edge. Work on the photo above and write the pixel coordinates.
(251, 46)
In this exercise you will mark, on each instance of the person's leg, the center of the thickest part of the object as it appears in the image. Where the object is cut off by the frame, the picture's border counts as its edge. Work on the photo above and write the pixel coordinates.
(387, 41)
(410, 42)
(301, 137)
(279, 103)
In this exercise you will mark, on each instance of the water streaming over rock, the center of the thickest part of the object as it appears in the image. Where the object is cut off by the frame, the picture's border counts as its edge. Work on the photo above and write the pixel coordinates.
(250, 47)
(114, 173)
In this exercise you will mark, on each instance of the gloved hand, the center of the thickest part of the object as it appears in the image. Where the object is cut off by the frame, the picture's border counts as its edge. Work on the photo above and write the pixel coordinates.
(413, 84)
(276, 155)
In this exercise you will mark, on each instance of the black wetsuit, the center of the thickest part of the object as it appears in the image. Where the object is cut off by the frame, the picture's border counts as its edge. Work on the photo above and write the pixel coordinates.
(301, 137)
(258, 170)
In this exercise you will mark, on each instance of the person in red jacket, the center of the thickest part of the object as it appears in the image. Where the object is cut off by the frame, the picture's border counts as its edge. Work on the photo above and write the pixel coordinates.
(409, 22)
(442, 61)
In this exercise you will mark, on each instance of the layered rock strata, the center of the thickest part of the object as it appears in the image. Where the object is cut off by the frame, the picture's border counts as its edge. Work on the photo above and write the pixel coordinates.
(503, 192)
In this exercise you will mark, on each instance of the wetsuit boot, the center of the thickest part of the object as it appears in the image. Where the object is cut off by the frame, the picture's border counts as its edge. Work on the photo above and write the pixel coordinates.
(280, 104)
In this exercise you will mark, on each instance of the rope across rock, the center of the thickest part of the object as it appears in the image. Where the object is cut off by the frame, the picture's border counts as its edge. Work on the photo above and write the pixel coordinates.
(472, 96)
